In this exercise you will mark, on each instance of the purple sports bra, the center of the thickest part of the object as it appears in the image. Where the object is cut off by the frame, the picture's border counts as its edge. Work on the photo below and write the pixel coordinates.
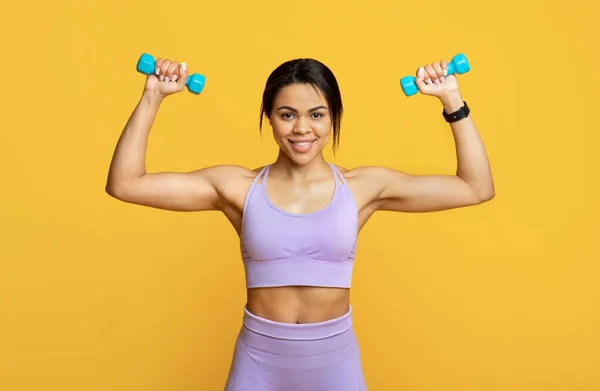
(312, 249)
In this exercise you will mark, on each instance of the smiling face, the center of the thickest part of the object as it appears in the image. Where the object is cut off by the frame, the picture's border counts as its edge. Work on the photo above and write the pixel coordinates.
(301, 122)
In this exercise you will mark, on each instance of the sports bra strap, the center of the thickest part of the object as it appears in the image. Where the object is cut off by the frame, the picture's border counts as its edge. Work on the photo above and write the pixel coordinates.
(253, 185)
(266, 176)
(337, 173)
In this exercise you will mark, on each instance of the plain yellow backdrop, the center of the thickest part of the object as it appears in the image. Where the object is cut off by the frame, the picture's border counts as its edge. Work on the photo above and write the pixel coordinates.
(96, 294)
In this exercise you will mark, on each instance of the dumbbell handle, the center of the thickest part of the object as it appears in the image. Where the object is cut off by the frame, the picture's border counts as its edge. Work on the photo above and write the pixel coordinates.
(147, 65)
(459, 64)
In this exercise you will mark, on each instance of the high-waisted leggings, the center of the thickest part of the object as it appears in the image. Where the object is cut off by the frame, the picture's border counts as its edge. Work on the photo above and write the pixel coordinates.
(273, 356)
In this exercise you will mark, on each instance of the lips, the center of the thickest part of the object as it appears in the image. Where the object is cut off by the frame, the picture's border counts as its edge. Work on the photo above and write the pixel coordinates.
(302, 141)
(302, 145)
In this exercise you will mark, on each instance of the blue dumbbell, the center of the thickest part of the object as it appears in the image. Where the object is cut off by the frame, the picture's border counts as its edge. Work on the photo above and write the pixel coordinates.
(459, 64)
(147, 66)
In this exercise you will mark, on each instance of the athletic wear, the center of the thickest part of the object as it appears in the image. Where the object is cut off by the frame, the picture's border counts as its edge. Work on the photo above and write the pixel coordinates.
(283, 249)
(313, 249)
(272, 356)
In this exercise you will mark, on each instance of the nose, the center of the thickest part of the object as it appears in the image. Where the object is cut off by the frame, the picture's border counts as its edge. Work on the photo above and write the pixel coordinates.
(302, 126)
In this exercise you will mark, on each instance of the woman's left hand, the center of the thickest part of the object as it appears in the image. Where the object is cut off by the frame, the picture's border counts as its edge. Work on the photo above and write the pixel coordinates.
(432, 80)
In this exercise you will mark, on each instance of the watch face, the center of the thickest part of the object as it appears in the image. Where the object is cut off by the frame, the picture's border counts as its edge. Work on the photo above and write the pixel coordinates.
(459, 114)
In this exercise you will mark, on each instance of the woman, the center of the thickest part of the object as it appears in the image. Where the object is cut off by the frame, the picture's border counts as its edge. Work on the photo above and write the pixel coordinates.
(298, 218)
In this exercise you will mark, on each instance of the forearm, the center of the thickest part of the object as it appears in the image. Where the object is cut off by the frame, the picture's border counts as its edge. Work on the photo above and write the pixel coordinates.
(129, 158)
(472, 161)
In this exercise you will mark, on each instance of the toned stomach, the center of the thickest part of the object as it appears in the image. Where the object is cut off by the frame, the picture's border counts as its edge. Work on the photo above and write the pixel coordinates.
(298, 304)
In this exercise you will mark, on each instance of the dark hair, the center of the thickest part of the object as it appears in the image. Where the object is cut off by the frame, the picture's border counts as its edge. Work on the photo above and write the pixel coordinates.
(305, 71)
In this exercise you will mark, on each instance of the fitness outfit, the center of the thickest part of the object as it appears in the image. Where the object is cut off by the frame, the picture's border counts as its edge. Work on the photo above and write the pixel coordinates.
(286, 249)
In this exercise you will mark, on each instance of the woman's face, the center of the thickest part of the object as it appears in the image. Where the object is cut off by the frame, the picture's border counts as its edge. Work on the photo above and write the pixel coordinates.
(301, 122)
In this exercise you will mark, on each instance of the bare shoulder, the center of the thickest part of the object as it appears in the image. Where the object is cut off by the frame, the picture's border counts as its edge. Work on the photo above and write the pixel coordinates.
(232, 177)
(230, 173)
(365, 182)
(233, 182)
(364, 175)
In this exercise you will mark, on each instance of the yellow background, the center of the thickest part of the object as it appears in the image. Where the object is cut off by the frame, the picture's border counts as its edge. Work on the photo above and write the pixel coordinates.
(96, 294)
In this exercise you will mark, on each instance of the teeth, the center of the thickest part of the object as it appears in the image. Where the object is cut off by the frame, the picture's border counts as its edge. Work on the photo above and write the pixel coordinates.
(303, 143)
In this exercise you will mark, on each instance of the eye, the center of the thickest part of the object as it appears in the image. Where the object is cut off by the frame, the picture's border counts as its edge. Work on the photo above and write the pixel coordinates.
(318, 115)
(287, 115)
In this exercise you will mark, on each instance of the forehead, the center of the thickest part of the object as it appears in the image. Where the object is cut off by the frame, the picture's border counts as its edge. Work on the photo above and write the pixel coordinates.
(300, 95)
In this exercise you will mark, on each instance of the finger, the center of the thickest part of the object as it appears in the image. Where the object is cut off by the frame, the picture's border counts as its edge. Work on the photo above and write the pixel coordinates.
(171, 74)
(157, 65)
(431, 75)
(182, 77)
(421, 73)
(444, 65)
(439, 72)
(163, 69)
(420, 80)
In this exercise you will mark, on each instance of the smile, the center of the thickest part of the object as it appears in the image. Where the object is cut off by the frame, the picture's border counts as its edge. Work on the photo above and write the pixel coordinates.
(303, 145)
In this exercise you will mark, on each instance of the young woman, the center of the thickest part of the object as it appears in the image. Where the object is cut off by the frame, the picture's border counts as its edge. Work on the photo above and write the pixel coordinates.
(298, 218)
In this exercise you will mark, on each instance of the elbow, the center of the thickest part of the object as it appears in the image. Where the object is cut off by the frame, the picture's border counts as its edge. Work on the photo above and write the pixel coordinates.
(115, 190)
(487, 195)
(112, 191)
(480, 193)
(121, 189)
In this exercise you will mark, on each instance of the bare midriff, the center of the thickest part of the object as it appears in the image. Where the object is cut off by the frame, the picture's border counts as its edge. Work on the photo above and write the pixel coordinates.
(298, 304)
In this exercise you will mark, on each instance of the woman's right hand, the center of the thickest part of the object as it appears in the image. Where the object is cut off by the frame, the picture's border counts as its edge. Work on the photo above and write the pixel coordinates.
(169, 78)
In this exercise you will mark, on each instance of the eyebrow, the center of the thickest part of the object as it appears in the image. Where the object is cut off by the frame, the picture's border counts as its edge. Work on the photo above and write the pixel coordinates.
(296, 111)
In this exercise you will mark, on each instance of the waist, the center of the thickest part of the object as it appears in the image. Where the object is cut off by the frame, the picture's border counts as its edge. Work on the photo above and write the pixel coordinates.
(298, 304)
(301, 271)
(304, 331)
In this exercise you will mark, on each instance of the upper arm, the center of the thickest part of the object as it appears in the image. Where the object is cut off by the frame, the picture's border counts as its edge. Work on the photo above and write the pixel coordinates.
(180, 191)
(398, 191)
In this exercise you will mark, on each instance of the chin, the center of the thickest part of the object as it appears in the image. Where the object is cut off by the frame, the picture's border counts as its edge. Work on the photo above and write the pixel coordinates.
(302, 160)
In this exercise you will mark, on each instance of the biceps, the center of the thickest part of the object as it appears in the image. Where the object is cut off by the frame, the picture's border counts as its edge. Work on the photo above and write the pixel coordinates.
(426, 193)
(191, 191)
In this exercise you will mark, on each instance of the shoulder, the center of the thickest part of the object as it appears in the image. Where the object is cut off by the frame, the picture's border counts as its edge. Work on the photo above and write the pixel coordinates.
(369, 182)
(230, 171)
(226, 179)
(221, 174)
(368, 175)
(234, 174)
(365, 182)
(232, 183)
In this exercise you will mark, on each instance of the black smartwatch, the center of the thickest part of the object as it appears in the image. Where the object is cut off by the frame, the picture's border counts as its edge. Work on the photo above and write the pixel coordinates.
(459, 114)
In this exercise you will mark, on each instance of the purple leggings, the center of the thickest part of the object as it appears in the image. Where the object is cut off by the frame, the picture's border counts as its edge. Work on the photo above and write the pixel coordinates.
(273, 356)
